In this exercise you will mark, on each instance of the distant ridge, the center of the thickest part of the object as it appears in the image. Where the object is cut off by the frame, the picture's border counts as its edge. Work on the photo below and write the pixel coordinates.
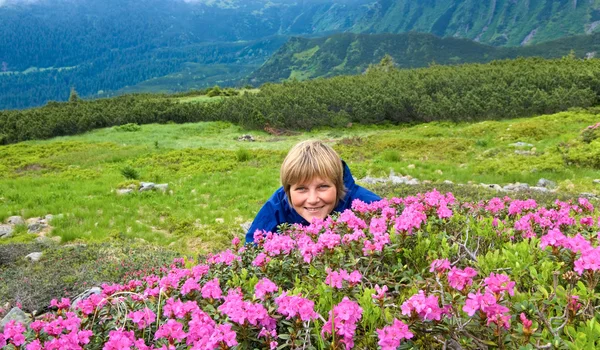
(347, 53)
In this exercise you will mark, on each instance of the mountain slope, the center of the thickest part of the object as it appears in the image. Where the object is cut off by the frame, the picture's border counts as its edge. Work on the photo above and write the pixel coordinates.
(347, 53)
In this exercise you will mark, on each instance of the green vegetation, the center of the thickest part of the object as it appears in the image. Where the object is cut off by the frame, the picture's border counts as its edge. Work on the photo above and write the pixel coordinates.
(348, 53)
(471, 92)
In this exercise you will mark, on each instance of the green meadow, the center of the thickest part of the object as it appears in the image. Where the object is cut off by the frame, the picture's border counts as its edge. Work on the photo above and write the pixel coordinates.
(217, 183)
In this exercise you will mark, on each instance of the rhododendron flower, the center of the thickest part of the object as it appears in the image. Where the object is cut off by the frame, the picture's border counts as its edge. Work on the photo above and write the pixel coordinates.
(495, 205)
(573, 303)
(380, 292)
(227, 257)
(498, 283)
(478, 301)
(13, 333)
(554, 238)
(334, 278)
(589, 260)
(119, 340)
(263, 287)
(390, 336)
(64, 303)
(293, 305)
(329, 240)
(344, 317)
(459, 279)
(171, 330)
(142, 318)
(212, 289)
(526, 324)
(235, 241)
(190, 285)
(261, 259)
(426, 307)
(440, 265)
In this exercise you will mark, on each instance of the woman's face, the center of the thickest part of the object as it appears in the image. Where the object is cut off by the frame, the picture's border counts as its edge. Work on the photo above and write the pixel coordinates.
(314, 198)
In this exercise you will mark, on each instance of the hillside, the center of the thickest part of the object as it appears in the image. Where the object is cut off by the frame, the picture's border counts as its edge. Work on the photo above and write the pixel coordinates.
(49, 46)
(346, 53)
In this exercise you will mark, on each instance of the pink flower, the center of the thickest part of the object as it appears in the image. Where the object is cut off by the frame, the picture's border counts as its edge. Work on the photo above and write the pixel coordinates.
(526, 322)
(344, 317)
(459, 279)
(390, 336)
(261, 259)
(119, 340)
(142, 318)
(380, 292)
(235, 242)
(13, 333)
(189, 285)
(498, 283)
(478, 301)
(171, 330)
(64, 303)
(426, 307)
(212, 290)
(263, 287)
(440, 265)
(334, 278)
(292, 305)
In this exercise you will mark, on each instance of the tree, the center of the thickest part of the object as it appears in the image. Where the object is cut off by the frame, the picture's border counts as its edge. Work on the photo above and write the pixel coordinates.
(74, 97)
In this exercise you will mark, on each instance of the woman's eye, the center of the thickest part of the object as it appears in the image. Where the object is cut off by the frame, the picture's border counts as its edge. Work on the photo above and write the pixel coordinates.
(324, 186)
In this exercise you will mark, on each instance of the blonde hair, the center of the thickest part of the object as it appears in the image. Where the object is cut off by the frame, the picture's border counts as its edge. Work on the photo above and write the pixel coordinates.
(308, 160)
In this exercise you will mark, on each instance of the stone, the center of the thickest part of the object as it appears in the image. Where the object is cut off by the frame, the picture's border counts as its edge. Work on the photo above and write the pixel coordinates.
(248, 138)
(448, 182)
(372, 180)
(34, 227)
(539, 189)
(85, 295)
(589, 195)
(15, 314)
(516, 187)
(146, 186)
(439, 172)
(49, 217)
(34, 257)
(122, 191)
(596, 181)
(6, 231)
(493, 186)
(412, 182)
(521, 144)
(162, 187)
(246, 226)
(411, 166)
(15, 220)
(546, 183)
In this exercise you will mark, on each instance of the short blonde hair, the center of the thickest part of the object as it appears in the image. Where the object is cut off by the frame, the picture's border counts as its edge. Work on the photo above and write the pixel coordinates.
(308, 160)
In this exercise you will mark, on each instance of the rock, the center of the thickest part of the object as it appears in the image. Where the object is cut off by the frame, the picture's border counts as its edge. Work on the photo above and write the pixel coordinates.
(521, 144)
(539, 189)
(372, 180)
(15, 220)
(34, 227)
(49, 217)
(246, 225)
(524, 153)
(85, 295)
(596, 181)
(492, 186)
(15, 314)
(412, 182)
(411, 166)
(122, 191)
(248, 138)
(162, 187)
(439, 172)
(516, 187)
(34, 257)
(546, 183)
(448, 182)
(146, 186)
(6, 231)
(220, 220)
(589, 195)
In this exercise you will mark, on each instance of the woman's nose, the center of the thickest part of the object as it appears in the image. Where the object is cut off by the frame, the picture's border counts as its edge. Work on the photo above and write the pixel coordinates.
(313, 197)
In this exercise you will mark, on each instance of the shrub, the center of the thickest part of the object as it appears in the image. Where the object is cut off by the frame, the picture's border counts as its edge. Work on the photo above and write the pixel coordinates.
(242, 155)
(129, 127)
(424, 271)
(130, 173)
(591, 133)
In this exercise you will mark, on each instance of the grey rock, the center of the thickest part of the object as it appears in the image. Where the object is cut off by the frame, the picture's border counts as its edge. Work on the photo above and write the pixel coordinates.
(372, 180)
(493, 187)
(122, 191)
(34, 227)
(49, 217)
(248, 138)
(448, 182)
(516, 187)
(413, 182)
(6, 231)
(521, 144)
(246, 226)
(539, 189)
(15, 314)
(596, 181)
(146, 186)
(15, 220)
(162, 187)
(546, 183)
(589, 195)
(34, 257)
(85, 295)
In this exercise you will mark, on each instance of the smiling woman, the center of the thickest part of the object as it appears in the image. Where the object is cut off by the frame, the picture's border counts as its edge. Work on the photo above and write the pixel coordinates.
(315, 183)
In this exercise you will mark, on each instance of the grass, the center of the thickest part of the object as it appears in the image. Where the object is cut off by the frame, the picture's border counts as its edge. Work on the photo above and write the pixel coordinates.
(216, 182)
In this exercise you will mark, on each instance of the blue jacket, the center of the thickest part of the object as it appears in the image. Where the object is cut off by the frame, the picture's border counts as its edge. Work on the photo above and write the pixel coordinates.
(277, 209)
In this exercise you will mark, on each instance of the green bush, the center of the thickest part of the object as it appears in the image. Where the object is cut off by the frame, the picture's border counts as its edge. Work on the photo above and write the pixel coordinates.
(129, 127)
(242, 155)
(130, 173)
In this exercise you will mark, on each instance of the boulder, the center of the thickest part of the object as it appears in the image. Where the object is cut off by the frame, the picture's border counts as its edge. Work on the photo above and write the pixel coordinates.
(146, 186)
(15, 314)
(6, 231)
(248, 138)
(34, 257)
(448, 182)
(34, 227)
(122, 191)
(372, 180)
(539, 189)
(493, 186)
(85, 295)
(521, 144)
(516, 187)
(15, 220)
(162, 187)
(596, 181)
(546, 183)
